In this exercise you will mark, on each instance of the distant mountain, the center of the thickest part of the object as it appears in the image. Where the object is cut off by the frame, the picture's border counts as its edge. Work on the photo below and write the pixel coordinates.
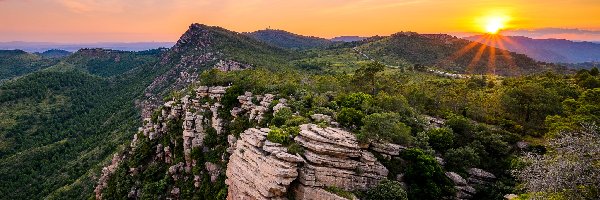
(72, 47)
(289, 40)
(547, 50)
(54, 53)
(347, 38)
(450, 53)
(15, 63)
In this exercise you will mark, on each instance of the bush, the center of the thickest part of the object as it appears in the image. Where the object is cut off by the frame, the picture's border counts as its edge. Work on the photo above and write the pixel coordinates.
(283, 135)
(386, 190)
(384, 127)
(460, 159)
(441, 138)
(281, 116)
(355, 100)
(350, 117)
(340, 192)
(295, 148)
(425, 177)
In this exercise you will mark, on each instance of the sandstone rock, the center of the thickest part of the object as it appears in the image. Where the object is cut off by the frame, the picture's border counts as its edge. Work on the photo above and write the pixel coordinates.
(457, 179)
(253, 173)
(480, 177)
(213, 170)
(511, 196)
(313, 193)
(387, 148)
(321, 118)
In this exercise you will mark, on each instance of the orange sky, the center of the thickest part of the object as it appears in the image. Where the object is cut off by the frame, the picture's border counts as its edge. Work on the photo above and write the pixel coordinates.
(166, 20)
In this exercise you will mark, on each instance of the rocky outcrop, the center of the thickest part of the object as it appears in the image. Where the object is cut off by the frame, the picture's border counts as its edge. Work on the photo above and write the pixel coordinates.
(480, 177)
(106, 173)
(256, 106)
(463, 190)
(260, 169)
(230, 65)
(334, 158)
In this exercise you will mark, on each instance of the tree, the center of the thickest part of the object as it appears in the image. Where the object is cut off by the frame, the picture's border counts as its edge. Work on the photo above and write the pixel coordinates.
(569, 170)
(356, 100)
(441, 138)
(530, 103)
(350, 117)
(384, 127)
(461, 158)
(386, 190)
(366, 75)
(425, 177)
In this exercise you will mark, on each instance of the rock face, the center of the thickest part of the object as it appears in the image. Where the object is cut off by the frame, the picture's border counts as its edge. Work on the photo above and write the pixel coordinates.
(259, 169)
(255, 173)
(231, 65)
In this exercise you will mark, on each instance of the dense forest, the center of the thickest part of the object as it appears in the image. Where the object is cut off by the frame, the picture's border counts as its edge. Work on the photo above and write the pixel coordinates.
(64, 118)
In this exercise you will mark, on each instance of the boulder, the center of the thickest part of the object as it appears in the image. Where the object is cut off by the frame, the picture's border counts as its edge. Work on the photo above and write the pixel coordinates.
(457, 179)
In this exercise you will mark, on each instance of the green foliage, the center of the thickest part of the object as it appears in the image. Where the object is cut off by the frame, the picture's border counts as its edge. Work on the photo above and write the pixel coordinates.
(355, 100)
(340, 192)
(425, 177)
(461, 159)
(366, 76)
(284, 135)
(350, 117)
(281, 117)
(295, 148)
(15, 63)
(384, 127)
(530, 103)
(441, 138)
(386, 190)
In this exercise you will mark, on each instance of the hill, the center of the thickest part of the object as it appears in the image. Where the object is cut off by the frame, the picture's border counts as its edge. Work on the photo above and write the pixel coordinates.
(347, 38)
(546, 50)
(73, 47)
(450, 53)
(108, 62)
(15, 63)
(54, 53)
(284, 39)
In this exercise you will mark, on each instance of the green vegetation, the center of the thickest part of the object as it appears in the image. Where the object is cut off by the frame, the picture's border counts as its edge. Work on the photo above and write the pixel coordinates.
(386, 190)
(71, 115)
(14, 63)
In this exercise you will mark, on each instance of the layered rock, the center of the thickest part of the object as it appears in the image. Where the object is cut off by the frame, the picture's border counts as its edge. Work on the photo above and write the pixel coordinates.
(334, 159)
(259, 171)
(463, 190)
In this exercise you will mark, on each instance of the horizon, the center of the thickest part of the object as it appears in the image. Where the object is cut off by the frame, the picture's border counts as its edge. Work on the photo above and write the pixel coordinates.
(92, 21)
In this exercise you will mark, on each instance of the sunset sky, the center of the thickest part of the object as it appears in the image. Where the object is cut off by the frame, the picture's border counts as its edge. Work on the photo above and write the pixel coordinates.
(166, 20)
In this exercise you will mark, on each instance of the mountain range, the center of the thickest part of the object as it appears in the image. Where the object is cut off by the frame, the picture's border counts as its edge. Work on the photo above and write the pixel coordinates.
(546, 50)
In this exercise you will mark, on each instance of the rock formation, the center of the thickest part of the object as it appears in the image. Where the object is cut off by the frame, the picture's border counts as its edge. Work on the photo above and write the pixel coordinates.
(259, 169)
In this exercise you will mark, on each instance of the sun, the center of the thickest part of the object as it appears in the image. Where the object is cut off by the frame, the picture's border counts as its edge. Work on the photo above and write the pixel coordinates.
(495, 24)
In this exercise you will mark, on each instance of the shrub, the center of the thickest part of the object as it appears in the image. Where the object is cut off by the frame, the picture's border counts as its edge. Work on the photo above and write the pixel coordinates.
(386, 190)
(295, 148)
(355, 100)
(281, 116)
(425, 177)
(461, 158)
(385, 127)
(340, 192)
(440, 138)
(283, 135)
(350, 117)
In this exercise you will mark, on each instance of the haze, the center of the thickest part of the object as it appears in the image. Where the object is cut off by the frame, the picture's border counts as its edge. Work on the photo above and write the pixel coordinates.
(159, 20)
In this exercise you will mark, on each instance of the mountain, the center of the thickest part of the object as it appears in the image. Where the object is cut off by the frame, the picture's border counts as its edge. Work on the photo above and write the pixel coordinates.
(546, 50)
(73, 47)
(284, 39)
(204, 47)
(54, 53)
(15, 63)
(450, 53)
(347, 38)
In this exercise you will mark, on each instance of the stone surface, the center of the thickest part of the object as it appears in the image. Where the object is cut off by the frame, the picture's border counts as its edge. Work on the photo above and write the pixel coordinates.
(387, 148)
(457, 179)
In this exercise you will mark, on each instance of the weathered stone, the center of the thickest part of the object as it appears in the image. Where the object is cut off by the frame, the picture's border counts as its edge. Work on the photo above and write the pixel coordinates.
(314, 193)
(457, 179)
(387, 148)
(511, 196)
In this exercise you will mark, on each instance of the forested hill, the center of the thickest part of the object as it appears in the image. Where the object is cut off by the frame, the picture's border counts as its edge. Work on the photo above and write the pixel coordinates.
(546, 50)
(289, 40)
(15, 63)
(452, 54)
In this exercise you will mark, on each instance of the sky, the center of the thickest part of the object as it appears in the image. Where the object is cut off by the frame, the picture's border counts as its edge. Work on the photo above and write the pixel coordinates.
(165, 20)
